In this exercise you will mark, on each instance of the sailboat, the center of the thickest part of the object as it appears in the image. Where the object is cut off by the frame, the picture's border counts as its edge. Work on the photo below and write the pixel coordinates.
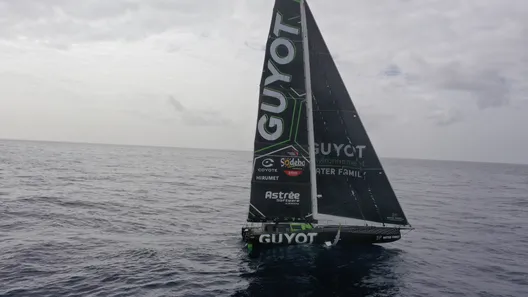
(313, 161)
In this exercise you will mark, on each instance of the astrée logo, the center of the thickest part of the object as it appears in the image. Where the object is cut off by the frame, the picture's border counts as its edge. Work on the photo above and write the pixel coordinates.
(282, 195)
(286, 198)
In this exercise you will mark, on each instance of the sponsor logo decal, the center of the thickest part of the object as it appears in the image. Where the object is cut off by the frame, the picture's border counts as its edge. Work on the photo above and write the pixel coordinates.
(380, 237)
(293, 152)
(267, 177)
(339, 150)
(289, 198)
(339, 154)
(267, 167)
(268, 162)
(395, 218)
(288, 238)
(270, 125)
(340, 171)
(339, 162)
(293, 166)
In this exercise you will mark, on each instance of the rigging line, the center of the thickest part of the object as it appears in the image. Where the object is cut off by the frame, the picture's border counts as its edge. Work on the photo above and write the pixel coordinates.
(357, 200)
(405, 234)
(258, 210)
(375, 204)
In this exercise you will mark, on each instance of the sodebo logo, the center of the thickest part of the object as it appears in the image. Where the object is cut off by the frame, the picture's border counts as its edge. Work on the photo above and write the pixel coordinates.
(292, 163)
(294, 166)
(298, 238)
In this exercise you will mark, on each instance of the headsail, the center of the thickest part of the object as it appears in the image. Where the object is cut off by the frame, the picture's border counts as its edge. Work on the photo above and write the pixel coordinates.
(280, 185)
(350, 177)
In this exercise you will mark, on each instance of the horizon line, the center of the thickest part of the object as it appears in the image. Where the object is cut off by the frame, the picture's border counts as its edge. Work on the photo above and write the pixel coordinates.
(236, 150)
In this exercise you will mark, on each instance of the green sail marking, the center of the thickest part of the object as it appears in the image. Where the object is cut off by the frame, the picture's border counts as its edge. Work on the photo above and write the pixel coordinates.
(293, 119)
(298, 120)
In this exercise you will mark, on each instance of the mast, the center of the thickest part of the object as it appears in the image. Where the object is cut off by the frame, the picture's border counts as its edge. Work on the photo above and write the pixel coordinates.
(309, 109)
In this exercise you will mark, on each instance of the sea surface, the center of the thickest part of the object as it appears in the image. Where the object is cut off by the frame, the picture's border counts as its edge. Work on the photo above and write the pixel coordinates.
(103, 220)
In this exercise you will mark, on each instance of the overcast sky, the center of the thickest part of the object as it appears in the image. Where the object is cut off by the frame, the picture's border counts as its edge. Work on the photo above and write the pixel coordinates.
(431, 79)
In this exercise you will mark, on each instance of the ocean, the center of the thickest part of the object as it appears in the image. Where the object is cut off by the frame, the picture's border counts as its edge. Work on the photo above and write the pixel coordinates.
(106, 220)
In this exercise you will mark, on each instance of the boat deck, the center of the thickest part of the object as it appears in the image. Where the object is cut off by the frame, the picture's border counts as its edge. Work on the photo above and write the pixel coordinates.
(359, 229)
(351, 229)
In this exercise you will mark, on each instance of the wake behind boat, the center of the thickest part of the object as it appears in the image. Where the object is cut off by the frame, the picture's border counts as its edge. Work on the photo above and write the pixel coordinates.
(313, 158)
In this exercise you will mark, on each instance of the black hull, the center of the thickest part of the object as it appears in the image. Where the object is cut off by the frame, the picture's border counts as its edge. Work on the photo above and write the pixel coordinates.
(257, 239)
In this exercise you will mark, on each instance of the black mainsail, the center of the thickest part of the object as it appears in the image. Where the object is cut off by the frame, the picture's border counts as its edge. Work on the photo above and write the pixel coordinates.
(280, 185)
(350, 178)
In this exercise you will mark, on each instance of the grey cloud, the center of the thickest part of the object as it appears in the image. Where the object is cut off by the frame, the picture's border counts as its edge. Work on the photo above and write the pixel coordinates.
(255, 46)
(205, 119)
(472, 53)
(392, 70)
(198, 117)
(446, 117)
(16, 10)
(187, 116)
(375, 120)
(488, 87)
(44, 10)
(484, 84)
(143, 116)
(97, 10)
(176, 104)
(63, 22)
(189, 6)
